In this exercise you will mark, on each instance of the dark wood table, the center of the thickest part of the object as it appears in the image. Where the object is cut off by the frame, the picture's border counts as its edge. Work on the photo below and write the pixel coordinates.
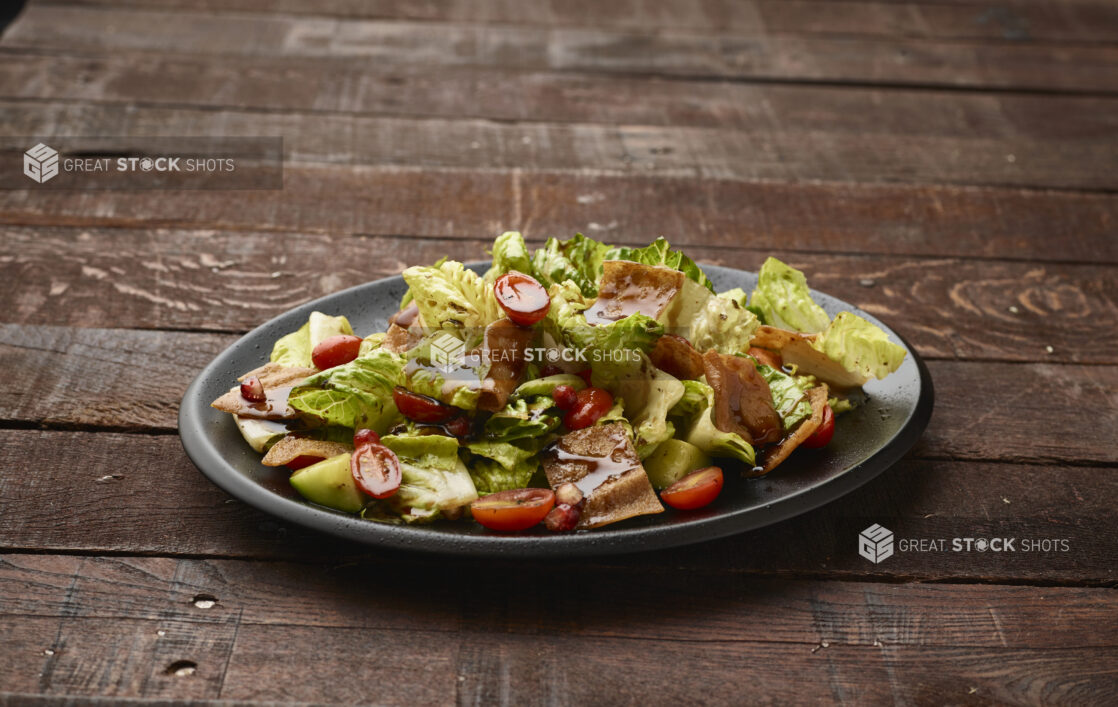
(948, 165)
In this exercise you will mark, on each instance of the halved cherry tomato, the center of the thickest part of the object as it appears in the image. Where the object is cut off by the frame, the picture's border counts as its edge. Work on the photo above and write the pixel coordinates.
(335, 350)
(301, 461)
(524, 300)
(421, 408)
(565, 397)
(509, 511)
(695, 490)
(375, 469)
(590, 405)
(458, 426)
(823, 433)
(364, 436)
(769, 358)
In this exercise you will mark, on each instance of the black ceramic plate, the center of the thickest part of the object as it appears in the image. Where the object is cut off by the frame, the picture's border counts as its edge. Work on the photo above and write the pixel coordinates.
(867, 441)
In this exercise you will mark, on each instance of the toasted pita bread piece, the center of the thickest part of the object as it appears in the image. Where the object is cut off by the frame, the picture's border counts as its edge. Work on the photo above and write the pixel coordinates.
(772, 457)
(292, 447)
(627, 288)
(602, 462)
(277, 381)
(796, 349)
(743, 403)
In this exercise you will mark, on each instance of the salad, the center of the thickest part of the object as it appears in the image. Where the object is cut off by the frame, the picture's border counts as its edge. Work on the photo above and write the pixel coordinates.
(575, 386)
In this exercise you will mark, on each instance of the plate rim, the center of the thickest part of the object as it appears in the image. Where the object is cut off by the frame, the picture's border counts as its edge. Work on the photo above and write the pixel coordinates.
(205, 457)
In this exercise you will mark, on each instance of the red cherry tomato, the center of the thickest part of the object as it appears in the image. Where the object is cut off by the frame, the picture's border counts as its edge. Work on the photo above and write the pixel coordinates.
(591, 404)
(458, 426)
(695, 490)
(301, 461)
(524, 300)
(509, 511)
(421, 408)
(824, 432)
(375, 469)
(335, 350)
(565, 397)
(361, 437)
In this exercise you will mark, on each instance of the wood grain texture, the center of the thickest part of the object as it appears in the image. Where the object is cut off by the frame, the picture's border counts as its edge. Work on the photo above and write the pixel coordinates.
(621, 149)
(1030, 412)
(162, 505)
(234, 281)
(1079, 21)
(1070, 67)
(565, 634)
(500, 93)
(897, 220)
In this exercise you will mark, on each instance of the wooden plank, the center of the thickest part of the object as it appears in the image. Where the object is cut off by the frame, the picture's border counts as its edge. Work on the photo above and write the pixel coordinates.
(895, 220)
(1029, 412)
(162, 505)
(221, 281)
(867, 156)
(310, 85)
(1015, 21)
(350, 628)
(1064, 67)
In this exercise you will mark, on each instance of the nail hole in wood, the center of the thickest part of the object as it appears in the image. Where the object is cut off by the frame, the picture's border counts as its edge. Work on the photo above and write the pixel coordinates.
(204, 601)
(182, 668)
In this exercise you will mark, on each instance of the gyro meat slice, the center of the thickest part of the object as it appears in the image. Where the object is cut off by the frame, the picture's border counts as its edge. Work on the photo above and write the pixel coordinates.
(603, 464)
(505, 344)
(676, 356)
(743, 403)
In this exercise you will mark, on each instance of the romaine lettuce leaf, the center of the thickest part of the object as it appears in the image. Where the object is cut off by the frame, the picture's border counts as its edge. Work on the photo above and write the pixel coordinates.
(723, 325)
(522, 419)
(648, 394)
(295, 348)
(355, 395)
(694, 413)
(433, 477)
(450, 296)
(577, 259)
(660, 252)
(783, 297)
(859, 346)
(509, 253)
(616, 349)
(789, 395)
(499, 466)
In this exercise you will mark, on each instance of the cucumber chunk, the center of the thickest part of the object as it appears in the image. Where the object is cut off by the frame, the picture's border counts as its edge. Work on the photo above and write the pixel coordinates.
(329, 483)
(672, 460)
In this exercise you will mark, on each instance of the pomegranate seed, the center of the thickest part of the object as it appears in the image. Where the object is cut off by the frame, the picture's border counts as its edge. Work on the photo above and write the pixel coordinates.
(365, 437)
(565, 397)
(569, 494)
(562, 518)
(550, 369)
(252, 390)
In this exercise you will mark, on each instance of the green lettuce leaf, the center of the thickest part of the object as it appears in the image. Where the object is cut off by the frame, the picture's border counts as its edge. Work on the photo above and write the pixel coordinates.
(355, 395)
(648, 394)
(616, 349)
(694, 412)
(433, 476)
(500, 466)
(859, 346)
(450, 296)
(578, 259)
(522, 419)
(660, 252)
(509, 253)
(295, 348)
(723, 325)
(783, 297)
(789, 395)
